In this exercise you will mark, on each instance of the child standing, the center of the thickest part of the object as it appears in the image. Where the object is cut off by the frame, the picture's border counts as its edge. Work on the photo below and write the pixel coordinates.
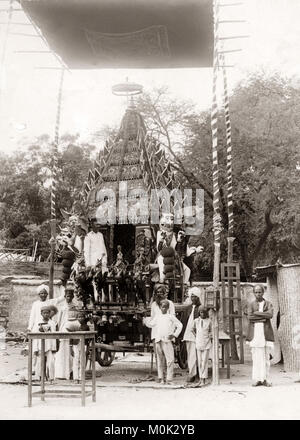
(54, 314)
(77, 322)
(45, 326)
(203, 331)
(167, 328)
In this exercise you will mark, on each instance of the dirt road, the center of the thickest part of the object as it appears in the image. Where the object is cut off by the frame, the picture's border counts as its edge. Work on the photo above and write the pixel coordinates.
(124, 391)
(224, 402)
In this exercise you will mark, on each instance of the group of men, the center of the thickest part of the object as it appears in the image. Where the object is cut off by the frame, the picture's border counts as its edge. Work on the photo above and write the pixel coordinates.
(194, 329)
(61, 310)
(260, 334)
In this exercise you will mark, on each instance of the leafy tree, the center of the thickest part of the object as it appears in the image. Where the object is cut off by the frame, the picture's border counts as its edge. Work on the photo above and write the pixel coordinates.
(25, 180)
(74, 163)
(265, 130)
(265, 115)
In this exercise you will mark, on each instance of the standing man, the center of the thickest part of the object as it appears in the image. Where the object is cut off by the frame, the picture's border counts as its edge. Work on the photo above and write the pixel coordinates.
(95, 251)
(35, 314)
(94, 247)
(188, 316)
(159, 294)
(63, 361)
(260, 336)
(167, 328)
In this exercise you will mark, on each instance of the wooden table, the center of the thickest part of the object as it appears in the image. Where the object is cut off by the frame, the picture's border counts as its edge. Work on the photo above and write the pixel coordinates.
(224, 340)
(83, 393)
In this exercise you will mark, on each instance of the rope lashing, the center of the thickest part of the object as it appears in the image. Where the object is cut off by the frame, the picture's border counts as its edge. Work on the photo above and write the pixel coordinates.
(214, 126)
(228, 149)
(55, 147)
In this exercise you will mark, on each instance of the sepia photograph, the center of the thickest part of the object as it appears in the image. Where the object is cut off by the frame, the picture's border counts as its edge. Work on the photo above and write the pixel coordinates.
(149, 212)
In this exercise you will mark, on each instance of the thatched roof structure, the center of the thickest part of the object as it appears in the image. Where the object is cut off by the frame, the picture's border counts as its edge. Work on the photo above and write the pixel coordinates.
(132, 157)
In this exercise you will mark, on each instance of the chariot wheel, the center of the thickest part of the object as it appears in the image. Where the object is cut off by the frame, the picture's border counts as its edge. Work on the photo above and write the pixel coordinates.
(182, 355)
(104, 357)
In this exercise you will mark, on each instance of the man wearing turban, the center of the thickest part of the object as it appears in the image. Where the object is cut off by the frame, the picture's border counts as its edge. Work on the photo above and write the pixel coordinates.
(187, 334)
(35, 314)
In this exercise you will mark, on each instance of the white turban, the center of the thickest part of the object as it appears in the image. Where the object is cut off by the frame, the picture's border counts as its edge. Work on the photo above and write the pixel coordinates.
(41, 288)
(195, 291)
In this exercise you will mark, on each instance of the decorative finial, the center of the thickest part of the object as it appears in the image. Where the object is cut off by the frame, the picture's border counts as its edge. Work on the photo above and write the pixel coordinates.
(127, 89)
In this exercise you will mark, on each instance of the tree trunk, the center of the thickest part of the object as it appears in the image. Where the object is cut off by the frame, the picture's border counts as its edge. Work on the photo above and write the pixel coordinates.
(247, 263)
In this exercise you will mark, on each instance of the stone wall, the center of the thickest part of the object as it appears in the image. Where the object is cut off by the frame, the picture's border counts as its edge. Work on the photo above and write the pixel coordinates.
(4, 301)
(13, 270)
(23, 293)
(18, 293)
(17, 269)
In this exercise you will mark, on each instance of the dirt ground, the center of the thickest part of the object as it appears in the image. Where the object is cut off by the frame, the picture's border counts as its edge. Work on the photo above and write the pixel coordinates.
(126, 390)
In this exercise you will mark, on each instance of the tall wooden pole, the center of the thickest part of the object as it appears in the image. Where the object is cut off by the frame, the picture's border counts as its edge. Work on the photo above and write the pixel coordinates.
(54, 184)
(230, 238)
(228, 149)
(233, 346)
(52, 256)
(216, 195)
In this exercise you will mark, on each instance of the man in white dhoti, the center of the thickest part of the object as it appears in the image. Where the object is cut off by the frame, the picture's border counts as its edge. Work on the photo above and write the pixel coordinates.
(188, 316)
(63, 361)
(95, 250)
(46, 325)
(260, 337)
(35, 314)
(94, 247)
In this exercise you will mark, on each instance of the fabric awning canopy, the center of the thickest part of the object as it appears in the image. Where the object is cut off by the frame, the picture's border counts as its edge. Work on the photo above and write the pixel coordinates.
(92, 34)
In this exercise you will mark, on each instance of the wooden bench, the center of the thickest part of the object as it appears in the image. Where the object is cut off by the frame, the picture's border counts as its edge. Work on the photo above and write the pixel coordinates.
(83, 393)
